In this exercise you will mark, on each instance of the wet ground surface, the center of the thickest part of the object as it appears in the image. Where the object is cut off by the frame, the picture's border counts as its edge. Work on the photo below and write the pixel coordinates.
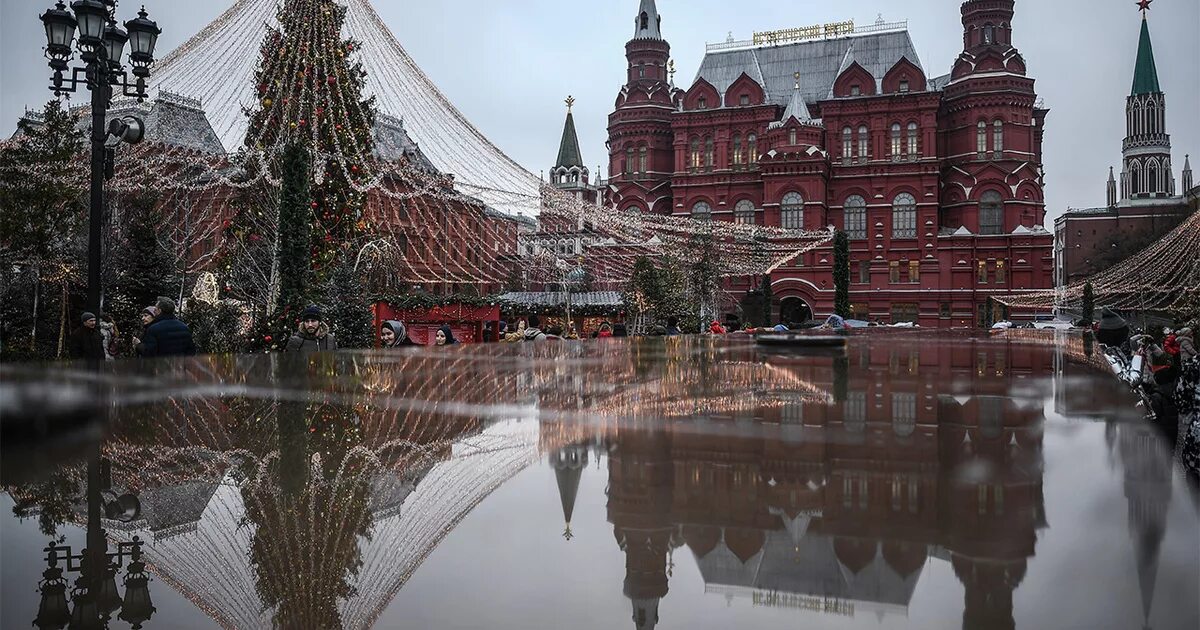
(915, 480)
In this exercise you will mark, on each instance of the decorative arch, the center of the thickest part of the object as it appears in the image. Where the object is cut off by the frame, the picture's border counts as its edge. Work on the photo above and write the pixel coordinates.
(744, 212)
(855, 75)
(701, 90)
(904, 70)
(991, 212)
(744, 86)
(794, 309)
(702, 210)
(1153, 183)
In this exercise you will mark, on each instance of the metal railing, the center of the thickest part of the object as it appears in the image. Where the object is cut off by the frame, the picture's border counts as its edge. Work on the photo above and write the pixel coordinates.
(878, 27)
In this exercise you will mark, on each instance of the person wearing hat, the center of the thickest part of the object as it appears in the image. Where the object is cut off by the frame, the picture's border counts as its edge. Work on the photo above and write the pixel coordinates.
(313, 334)
(87, 342)
(167, 335)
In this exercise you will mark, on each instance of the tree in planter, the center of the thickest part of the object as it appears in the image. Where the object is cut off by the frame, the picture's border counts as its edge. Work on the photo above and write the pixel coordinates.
(347, 309)
(841, 274)
(43, 223)
(139, 267)
(1089, 305)
(292, 260)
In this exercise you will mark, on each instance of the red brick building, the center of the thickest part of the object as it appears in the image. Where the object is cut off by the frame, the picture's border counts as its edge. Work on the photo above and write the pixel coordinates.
(937, 180)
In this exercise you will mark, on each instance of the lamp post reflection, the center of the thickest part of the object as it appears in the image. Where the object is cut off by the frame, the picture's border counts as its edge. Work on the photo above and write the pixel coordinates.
(95, 595)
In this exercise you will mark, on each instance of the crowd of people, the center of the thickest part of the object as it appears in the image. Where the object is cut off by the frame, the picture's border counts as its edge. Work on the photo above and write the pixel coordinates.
(162, 335)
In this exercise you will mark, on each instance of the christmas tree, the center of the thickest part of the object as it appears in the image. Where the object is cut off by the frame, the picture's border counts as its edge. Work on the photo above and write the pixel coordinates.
(311, 94)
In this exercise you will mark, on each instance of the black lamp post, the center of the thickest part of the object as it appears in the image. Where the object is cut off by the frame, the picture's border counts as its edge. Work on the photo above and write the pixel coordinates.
(101, 44)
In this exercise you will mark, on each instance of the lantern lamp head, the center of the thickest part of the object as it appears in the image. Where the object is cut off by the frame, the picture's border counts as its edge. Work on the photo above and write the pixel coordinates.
(91, 15)
(114, 44)
(143, 36)
(60, 33)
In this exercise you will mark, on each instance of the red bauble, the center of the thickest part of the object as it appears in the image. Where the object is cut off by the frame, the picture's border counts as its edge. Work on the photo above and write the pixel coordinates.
(315, 205)
(268, 339)
(331, 80)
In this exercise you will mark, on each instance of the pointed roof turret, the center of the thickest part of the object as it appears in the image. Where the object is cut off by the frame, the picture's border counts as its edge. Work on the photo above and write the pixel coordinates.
(796, 108)
(568, 148)
(648, 23)
(1145, 73)
(568, 465)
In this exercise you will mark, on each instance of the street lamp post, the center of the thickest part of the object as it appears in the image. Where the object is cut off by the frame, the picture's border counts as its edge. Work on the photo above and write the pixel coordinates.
(101, 44)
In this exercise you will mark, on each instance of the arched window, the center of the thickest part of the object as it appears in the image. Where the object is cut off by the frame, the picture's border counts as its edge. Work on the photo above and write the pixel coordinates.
(739, 156)
(856, 217)
(864, 144)
(629, 160)
(895, 141)
(694, 162)
(1135, 178)
(1152, 183)
(904, 216)
(645, 20)
(702, 103)
(981, 140)
(701, 211)
(708, 152)
(642, 160)
(912, 141)
(847, 143)
(991, 213)
(989, 34)
(792, 136)
(743, 212)
(998, 139)
(641, 71)
(752, 147)
(792, 211)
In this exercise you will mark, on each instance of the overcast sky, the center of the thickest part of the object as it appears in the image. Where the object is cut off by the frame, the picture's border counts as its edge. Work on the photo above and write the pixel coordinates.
(509, 64)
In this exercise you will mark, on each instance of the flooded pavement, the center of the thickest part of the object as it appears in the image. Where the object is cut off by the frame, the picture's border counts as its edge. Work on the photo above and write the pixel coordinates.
(914, 480)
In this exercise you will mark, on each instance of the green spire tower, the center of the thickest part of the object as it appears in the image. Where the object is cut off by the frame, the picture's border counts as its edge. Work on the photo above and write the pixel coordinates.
(1146, 172)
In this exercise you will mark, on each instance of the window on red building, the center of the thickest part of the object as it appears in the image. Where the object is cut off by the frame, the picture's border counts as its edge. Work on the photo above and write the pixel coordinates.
(904, 216)
(991, 213)
(752, 145)
(913, 148)
(744, 100)
(739, 156)
(864, 144)
(894, 272)
(708, 152)
(998, 139)
(904, 85)
(981, 140)
(914, 271)
(864, 272)
(856, 217)
(694, 162)
(702, 103)
(792, 136)
(629, 161)
(855, 90)
(642, 160)
(743, 212)
(701, 211)
(905, 312)
(982, 275)
(1001, 271)
(895, 142)
(792, 211)
(847, 144)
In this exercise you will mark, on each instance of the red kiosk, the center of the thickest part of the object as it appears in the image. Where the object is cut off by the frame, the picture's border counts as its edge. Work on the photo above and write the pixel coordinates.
(468, 322)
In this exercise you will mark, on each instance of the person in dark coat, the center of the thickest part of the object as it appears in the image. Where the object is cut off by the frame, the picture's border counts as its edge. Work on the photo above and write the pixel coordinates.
(313, 335)
(87, 342)
(167, 336)
(445, 337)
(394, 334)
(1113, 329)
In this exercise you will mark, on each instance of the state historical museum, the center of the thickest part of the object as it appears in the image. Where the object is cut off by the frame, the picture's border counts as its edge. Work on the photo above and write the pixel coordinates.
(938, 181)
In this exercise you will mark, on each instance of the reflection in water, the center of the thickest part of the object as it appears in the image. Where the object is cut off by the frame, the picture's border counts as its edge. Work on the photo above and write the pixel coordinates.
(303, 494)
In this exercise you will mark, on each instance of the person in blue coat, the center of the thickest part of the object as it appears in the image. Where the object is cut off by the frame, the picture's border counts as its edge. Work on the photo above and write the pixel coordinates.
(167, 336)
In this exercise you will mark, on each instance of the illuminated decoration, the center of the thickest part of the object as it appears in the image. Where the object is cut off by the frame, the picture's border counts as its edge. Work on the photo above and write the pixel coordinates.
(1163, 277)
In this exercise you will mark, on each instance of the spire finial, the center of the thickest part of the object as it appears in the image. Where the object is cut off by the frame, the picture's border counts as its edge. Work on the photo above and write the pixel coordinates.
(797, 77)
(671, 67)
(570, 103)
(1144, 6)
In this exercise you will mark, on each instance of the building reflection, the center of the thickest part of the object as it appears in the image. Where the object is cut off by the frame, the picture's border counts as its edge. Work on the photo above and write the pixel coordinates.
(836, 508)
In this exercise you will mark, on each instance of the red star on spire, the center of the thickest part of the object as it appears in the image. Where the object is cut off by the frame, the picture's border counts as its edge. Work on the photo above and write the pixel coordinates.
(1144, 5)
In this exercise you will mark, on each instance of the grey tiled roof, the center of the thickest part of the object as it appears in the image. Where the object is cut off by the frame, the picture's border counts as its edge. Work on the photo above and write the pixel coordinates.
(172, 120)
(817, 62)
(556, 298)
(392, 142)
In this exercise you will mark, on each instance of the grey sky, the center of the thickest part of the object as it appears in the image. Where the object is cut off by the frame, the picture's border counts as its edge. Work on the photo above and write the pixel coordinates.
(508, 65)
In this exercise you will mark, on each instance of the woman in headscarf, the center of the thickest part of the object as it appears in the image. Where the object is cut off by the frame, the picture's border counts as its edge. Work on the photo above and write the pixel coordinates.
(394, 334)
(445, 337)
